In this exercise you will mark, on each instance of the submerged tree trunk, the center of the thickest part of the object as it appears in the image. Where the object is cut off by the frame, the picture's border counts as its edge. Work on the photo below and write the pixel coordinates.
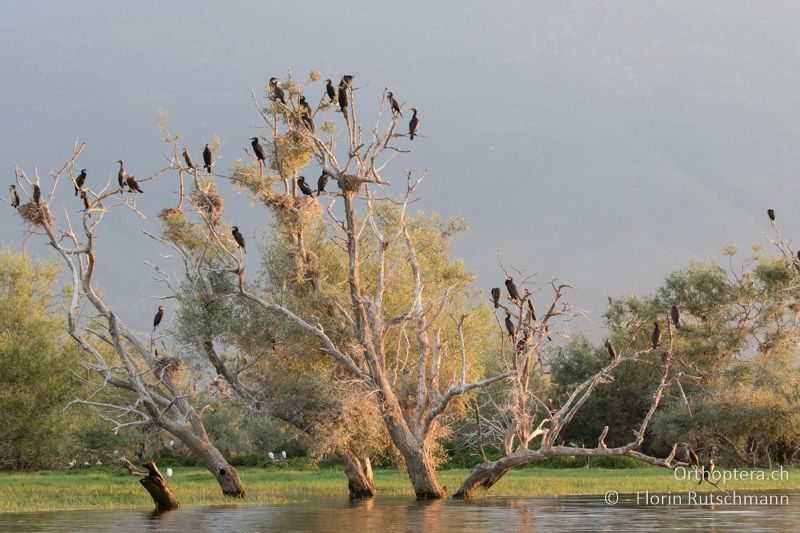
(419, 463)
(359, 476)
(157, 486)
(211, 458)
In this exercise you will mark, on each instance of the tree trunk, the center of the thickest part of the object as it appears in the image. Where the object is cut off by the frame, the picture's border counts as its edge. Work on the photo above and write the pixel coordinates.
(359, 476)
(419, 463)
(157, 486)
(214, 461)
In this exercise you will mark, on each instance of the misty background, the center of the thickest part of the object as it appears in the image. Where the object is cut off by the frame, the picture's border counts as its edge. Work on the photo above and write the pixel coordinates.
(604, 143)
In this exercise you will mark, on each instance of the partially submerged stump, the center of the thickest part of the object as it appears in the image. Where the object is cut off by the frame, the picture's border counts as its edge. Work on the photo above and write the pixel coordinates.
(157, 486)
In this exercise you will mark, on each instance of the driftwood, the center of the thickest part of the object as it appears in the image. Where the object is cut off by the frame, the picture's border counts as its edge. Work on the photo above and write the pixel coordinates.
(157, 486)
(129, 466)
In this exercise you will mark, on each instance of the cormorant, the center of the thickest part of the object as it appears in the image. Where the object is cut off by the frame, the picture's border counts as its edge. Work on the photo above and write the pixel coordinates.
(342, 97)
(413, 124)
(208, 158)
(239, 238)
(331, 90)
(496, 297)
(394, 104)
(656, 338)
(347, 81)
(612, 353)
(532, 309)
(37, 195)
(79, 181)
(14, 196)
(122, 176)
(258, 150)
(158, 317)
(85, 201)
(301, 182)
(510, 325)
(322, 181)
(275, 91)
(771, 215)
(188, 158)
(132, 185)
(306, 115)
(513, 293)
(676, 316)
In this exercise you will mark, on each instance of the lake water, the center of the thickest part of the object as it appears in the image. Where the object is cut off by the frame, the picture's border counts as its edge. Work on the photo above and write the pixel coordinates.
(571, 513)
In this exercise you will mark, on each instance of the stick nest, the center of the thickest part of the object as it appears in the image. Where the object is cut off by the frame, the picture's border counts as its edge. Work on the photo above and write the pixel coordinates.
(167, 366)
(295, 210)
(211, 204)
(35, 215)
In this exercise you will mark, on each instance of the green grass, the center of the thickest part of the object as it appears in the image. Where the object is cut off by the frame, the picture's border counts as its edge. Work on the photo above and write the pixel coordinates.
(99, 488)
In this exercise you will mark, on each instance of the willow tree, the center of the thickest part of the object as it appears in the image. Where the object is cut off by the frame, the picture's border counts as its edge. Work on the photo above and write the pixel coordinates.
(156, 394)
(368, 287)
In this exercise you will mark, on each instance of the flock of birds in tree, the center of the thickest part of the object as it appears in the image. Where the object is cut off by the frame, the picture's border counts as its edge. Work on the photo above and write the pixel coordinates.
(276, 94)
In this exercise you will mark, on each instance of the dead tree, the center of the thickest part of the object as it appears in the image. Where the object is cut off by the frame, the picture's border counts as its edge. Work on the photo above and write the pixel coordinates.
(155, 399)
(526, 346)
(158, 488)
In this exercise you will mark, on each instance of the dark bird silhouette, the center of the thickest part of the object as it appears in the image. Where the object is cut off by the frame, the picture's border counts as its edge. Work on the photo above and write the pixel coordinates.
(394, 104)
(239, 238)
(771, 215)
(342, 97)
(656, 338)
(306, 115)
(122, 176)
(132, 185)
(322, 182)
(496, 297)
(675, 314)
(158, 317)
(510, 325)
(85, 202)
(79, 181)
(413, 124)
(532, 309)
(258, 150)
(14, 196)
(188, 158)
(513, 293)
(208, 158)
(37, 195)
(331, 90)
(301, 183)
(276, 93)
(347, 81)
(612, 353)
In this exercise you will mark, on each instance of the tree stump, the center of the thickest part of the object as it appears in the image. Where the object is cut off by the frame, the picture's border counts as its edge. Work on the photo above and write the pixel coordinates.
(157, 486)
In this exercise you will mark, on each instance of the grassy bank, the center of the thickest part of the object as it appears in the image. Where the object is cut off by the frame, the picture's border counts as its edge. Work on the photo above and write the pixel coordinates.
(99, 488)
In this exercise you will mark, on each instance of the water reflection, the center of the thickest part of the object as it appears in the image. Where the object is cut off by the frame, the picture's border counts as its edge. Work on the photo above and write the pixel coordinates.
(575, 513)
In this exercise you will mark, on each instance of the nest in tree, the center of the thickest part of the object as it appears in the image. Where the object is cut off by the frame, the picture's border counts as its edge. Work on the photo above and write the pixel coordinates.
(208, 202)
(166, 366)
(349, 183)
(168, 212)
(288, 205)
(36, 215)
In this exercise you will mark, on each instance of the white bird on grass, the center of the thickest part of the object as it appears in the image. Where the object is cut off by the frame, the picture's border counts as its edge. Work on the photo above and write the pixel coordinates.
(271, 456)
(283, 454)
(169, 472)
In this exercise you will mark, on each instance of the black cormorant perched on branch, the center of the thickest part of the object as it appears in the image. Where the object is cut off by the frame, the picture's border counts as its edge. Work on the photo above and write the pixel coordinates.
(276, 93)
(79, 181)
(239, 238)
(158, 317)
(656, 338)
(37, 195)
(496, 297)
(188, 158)
(258, 150)
(331, 90)
(394, 104)
(132, 185)
(306, 115)
(301, 183)
(122, 176)
(343, 96)
(510, 325)
(14, 196)
(675, 314)
(208, 158)
(513, 293)
(322, 182)
(612, 353)
(413, 124)
(771, 215)
(532, 309)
